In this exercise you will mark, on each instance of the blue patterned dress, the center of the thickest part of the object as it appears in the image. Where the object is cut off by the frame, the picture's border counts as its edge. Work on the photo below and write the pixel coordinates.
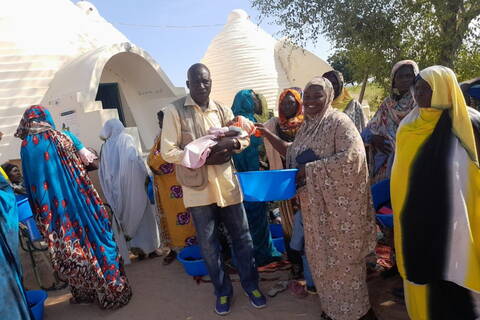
(70, 214)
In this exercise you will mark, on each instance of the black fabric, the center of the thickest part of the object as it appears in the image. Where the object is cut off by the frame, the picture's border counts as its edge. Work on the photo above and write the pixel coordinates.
(426, 214)
(448, 301)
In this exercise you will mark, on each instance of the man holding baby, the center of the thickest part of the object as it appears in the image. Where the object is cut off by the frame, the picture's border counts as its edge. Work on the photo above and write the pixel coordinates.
(211, 193)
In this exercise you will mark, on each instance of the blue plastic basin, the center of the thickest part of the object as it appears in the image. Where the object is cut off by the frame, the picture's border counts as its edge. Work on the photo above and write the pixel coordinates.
(271, 185)
(276, 230)
(24, 210)
(191, 259)
(25, 216)
(36, 301)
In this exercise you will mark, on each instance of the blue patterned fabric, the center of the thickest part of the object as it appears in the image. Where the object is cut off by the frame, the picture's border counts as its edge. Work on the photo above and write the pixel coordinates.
(69, 213)
(12, 294)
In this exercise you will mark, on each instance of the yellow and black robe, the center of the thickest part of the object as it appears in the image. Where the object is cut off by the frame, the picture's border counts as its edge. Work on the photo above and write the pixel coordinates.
(435, 190)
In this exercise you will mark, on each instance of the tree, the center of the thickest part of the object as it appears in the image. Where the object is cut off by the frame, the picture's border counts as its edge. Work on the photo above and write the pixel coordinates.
(374, 34)
(340, 61)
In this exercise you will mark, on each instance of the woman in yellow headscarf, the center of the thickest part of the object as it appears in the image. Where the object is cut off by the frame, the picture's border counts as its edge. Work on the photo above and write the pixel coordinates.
(435, 191)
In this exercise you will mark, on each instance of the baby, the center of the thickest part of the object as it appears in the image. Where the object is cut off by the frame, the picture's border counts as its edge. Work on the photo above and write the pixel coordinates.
(197, 151)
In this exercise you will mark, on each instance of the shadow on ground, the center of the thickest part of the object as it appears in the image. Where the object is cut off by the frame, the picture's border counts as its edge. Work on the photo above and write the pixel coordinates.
(166, 292)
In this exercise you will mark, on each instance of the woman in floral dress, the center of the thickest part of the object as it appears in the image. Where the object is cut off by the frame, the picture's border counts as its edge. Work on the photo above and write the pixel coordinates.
(70, 214)
(177, 229)
(336, 206)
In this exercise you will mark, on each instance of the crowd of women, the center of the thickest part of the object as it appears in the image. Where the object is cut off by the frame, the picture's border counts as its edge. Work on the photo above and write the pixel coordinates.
(423, 136)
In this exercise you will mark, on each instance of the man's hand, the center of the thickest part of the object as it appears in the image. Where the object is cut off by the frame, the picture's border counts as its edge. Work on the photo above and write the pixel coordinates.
(222, 151)
(218, 157)
(228, 143)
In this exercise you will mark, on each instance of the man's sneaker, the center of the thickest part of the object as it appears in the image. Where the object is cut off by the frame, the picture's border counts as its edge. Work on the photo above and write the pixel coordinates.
(222, 305)
(257, 299)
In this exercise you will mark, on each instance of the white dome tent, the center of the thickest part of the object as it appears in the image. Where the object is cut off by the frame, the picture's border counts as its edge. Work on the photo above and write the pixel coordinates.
(243, 56)
(64, 56)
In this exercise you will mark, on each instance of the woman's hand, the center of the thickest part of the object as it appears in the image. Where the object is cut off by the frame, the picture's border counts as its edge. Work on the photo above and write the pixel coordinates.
(277, 143)
(380, 143)
(265, 132)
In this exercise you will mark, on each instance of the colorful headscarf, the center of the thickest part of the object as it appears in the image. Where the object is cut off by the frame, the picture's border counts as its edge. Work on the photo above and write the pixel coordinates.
(392, 110)
(289, 127)
(36, 119)
(311, 126)
(397, 67)
(244, 105)
(341, 102)
(447, 95)
(262, 118)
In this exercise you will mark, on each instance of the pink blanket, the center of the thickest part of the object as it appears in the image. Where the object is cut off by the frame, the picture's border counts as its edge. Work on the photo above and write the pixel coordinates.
(197, 151)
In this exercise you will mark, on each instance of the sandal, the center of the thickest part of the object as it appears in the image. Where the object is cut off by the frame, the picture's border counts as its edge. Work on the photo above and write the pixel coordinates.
(271, 267)
(277, 288)
(311, 290)
(297, 289)
(153, 255)
(169, 258)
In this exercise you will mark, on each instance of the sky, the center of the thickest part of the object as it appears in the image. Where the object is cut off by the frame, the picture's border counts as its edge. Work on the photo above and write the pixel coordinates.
(175, 49)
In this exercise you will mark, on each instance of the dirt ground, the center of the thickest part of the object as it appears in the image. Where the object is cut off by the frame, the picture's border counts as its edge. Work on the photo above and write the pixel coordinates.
(167, 292)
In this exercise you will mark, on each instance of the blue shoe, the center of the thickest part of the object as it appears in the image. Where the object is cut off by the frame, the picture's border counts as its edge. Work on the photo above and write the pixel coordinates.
(257, 299)
(222, 305)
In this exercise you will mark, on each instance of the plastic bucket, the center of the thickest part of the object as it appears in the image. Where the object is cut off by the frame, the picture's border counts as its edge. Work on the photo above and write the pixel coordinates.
(191, 259)
(36, 301)
(270, 185)
(276, 230)
(24, 210)
(279, 244)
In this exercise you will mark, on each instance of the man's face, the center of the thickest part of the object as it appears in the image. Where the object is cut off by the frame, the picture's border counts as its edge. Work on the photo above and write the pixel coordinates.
(200, 85)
